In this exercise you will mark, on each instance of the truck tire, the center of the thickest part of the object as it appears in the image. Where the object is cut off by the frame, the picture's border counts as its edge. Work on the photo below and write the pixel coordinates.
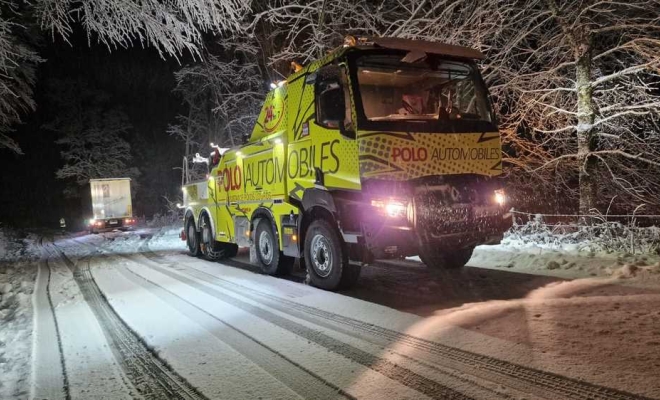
(452, 259)
(326, 259)
(271, 259)
(192, 238)
(206, 240)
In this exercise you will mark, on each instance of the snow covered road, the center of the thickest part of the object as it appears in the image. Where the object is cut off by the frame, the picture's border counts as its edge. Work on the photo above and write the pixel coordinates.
(136, 317)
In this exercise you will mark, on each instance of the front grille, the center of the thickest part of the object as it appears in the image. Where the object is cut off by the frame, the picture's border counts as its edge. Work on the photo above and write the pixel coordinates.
(444, 211)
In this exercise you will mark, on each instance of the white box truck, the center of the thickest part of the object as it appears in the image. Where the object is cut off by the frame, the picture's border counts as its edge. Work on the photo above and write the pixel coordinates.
(111, 204)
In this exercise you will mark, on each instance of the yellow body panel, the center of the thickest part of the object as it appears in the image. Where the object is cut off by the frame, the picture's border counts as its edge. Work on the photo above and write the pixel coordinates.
(404, 156)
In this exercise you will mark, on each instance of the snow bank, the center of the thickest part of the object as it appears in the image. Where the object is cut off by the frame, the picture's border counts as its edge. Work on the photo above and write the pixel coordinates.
(16, 245)
(567, 261)
(168, 239)
(608, 249)
(16, 286)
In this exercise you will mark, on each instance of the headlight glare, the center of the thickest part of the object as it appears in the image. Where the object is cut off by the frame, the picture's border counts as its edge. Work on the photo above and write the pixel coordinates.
(500, 197)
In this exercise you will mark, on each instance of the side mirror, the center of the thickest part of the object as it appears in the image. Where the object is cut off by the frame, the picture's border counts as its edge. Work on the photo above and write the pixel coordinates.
(332, 105)
(246, 137)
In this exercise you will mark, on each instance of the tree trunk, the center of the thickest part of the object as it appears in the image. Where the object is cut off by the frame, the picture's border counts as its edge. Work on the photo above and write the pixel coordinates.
(586, 135)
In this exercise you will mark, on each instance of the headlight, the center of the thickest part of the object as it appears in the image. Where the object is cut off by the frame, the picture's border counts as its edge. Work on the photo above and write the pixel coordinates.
(391, 208)
(500, 197)
(395, 209)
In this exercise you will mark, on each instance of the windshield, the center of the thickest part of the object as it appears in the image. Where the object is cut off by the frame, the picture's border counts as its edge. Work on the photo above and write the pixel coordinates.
(398, 87)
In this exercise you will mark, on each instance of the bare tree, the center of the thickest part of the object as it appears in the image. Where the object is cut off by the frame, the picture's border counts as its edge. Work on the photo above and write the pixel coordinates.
(581, 78)
(99, 151)
(92, 131)
(173, 27)
(223, 98)
(18, 63)
(306, 30)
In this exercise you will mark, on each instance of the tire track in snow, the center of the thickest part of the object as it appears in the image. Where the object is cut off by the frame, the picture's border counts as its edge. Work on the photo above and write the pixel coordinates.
(450, 370)
(49, 379)
(302, 381)
(385, 367)
(151, 376)
(557, 386)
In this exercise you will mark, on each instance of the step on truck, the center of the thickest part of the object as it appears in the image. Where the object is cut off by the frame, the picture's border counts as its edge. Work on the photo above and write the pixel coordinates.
(384, 148)
(112, 207)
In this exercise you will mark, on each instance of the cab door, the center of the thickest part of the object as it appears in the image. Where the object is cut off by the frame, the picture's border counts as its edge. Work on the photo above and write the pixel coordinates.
(324, 150)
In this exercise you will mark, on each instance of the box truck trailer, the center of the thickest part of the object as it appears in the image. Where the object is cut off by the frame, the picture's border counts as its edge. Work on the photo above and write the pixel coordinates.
(111, 204)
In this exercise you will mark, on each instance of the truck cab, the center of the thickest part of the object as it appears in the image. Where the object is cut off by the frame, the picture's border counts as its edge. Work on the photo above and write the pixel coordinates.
(384, 148)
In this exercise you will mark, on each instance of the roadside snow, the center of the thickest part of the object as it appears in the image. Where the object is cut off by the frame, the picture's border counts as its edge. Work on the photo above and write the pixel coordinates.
(569, 261)
(592, 329)
(18, 255)
(168, 239)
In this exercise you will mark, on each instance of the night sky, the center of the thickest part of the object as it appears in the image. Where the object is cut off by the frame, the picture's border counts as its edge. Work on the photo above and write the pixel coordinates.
(136, 80)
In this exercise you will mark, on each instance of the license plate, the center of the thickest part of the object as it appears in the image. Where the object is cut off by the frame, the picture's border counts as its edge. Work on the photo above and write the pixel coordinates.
(113, 222)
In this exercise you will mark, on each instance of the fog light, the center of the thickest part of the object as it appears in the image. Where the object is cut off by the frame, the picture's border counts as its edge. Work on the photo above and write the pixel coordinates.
(500, 197)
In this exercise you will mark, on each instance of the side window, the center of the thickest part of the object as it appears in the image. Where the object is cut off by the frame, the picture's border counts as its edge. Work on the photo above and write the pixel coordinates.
(332, 99)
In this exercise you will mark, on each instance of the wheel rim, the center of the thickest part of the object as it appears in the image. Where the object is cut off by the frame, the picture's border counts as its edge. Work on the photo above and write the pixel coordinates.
(321, 255)
(206, 240)
(266, 247)
(191, 237)
(206, 234)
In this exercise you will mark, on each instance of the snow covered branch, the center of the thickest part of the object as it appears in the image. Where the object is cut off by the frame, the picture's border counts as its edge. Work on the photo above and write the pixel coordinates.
(18, 63)
(171, 26)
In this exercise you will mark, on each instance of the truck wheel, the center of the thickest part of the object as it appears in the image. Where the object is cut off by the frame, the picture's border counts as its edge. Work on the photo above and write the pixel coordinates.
(271, 260)
(447, 259)
(326, 259)
(192, 238)
(206, 239)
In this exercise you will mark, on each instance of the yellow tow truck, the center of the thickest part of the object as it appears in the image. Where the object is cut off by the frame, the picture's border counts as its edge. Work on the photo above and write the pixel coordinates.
(384, 148)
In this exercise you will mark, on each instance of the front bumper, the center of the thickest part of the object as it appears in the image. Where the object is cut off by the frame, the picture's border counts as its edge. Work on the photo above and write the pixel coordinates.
(445, 212)
(104, 225)
(449, 228)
